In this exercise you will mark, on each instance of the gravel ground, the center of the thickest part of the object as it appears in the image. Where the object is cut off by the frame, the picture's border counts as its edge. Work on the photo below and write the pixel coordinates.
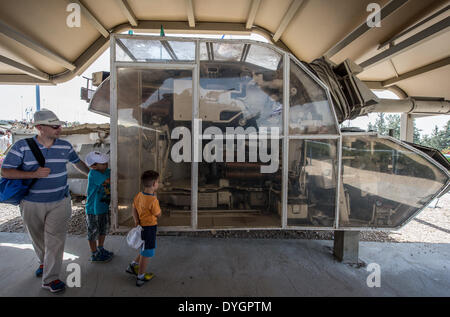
(432, 225)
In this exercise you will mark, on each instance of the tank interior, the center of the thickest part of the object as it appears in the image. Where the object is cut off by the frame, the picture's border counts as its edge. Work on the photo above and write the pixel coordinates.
(243, 133)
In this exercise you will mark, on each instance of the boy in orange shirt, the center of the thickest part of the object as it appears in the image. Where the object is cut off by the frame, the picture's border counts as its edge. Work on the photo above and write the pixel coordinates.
(146, 210)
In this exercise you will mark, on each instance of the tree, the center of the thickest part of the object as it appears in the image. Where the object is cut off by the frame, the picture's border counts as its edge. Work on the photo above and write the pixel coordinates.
(385, 123)
(438, 139)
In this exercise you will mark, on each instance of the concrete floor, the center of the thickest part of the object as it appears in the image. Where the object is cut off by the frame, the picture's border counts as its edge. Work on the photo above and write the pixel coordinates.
(188, 267)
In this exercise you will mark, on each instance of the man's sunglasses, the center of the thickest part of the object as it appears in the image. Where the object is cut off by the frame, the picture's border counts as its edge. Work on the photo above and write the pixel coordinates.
(52, 126)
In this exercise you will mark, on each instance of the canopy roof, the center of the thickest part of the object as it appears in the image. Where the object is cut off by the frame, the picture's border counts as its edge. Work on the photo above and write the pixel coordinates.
(409, 52)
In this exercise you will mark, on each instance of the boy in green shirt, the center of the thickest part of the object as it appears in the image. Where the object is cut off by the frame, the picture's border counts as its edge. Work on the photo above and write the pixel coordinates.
(97, 205)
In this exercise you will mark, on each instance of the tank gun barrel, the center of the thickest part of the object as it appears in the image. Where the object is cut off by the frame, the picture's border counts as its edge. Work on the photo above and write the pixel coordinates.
(353, 98)
(411, 105)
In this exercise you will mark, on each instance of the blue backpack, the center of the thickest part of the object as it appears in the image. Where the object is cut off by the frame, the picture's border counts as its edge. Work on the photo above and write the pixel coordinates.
(12, 191)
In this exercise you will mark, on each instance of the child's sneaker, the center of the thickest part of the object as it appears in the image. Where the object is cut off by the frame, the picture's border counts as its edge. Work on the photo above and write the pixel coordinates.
(133, 269)
(100, 257)
(147, 277)
(104, 251)
(39, 271)
(55, 286)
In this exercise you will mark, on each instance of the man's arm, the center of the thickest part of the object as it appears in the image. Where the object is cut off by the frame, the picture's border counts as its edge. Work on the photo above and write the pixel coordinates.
(82, 167)
(13, 173)
(14, 159)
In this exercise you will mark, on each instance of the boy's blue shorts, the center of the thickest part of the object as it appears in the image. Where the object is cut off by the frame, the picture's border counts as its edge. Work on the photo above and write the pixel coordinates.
(148, 234)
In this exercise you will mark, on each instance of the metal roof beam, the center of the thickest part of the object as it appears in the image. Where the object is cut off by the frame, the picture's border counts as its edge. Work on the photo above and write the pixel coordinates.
(287, 19)
(92, 19)
(22, 79)
(373, 84)
(415, 26)
(409, 43)
(363, 28)
(127, 11)
(24, 68)
(201, 27)
(416, 72)
(35, 46)
(190, 13)
(252, 14)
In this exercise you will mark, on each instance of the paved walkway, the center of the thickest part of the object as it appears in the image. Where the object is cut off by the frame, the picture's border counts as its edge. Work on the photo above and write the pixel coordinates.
(235, 267)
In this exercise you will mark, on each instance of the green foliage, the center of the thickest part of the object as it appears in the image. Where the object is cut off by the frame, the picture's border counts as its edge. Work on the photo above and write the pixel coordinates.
(384, 123)
(438, 139)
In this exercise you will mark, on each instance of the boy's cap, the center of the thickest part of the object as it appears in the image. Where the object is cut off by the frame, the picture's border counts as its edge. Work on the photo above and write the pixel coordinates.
(96, 157)
(47, 117)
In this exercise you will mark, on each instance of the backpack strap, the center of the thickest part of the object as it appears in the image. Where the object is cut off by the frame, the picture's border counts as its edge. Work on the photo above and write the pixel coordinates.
(36, 151)
(37, 155)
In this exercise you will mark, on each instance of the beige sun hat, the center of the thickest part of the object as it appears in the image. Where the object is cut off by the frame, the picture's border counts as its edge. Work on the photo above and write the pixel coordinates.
(47, 117)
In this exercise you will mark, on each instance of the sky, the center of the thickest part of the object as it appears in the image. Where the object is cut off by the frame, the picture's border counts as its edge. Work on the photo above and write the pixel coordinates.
(18, 101)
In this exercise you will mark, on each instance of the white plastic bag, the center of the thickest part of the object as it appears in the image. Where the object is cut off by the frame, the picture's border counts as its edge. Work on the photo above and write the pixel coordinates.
(134, 239)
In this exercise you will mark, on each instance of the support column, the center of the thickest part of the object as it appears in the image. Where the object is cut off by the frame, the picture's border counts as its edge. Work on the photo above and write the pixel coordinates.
(346, 246)
(406, 127)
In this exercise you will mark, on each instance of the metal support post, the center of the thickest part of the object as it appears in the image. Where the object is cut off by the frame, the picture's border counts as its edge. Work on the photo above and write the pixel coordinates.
(406, 127)
(346, 246)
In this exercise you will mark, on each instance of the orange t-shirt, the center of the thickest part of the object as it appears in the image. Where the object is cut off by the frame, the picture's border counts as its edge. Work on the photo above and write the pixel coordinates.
(147, 207)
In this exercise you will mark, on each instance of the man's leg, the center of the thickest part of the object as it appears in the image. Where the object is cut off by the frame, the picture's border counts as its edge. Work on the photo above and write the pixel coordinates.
(55, 238)
(33, 215)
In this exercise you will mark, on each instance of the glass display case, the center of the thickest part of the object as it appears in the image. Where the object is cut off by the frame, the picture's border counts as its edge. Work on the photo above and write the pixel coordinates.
(244, 136)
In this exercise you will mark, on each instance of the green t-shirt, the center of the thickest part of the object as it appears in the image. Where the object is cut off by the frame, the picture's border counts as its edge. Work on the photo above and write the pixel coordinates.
(98, 192)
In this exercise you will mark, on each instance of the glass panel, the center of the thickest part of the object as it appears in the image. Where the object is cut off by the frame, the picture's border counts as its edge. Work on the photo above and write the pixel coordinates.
(122, 53)
(310, 111)
(221, 51)
(242, 192)
(240, 94)
(312, 183)
(239, 178)
(384, 183)
(145, 120)
(263, 56)
(142, 50)
(184, 51)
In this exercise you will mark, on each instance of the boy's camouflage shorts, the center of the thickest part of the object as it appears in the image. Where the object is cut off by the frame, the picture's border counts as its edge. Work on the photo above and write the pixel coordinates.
(97, 225)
